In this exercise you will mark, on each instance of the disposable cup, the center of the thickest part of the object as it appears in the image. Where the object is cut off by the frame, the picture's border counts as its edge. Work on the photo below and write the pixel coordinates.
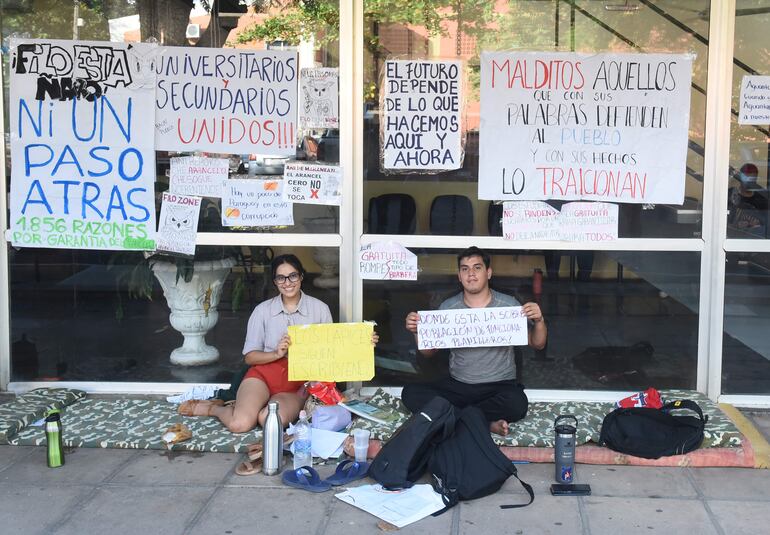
(361, 443)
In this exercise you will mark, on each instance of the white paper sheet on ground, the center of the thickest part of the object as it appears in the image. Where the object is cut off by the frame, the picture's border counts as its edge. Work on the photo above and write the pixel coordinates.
(387, 261)
(323, 443)
(400, 508)
(196, 392)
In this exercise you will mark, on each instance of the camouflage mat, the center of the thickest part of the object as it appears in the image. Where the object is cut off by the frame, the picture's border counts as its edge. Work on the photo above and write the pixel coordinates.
(138, 424)
(536, 430)
(18, 413)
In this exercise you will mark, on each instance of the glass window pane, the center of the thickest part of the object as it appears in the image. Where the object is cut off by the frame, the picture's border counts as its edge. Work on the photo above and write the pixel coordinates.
(616, 320)
(101, 316)
(462, 31)
(749, 144)
(745, 344)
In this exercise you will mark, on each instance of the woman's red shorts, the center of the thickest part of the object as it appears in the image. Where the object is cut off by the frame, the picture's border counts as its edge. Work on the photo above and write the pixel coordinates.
(275, 375)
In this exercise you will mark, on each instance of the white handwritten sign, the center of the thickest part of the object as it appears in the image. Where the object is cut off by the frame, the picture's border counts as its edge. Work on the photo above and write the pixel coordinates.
(576, 222)
(255, 203)
(320, 101)
(387, 261)
(606, 127)
(178, 226)
(196, 175)
(83, 168)
(472, 327)
(230, 101)
(530, 220)
(755, 100)
(588, 221)
(421, 127)
(312, 183)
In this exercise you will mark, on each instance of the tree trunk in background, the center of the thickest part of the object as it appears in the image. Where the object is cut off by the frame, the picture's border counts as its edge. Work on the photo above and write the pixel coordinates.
(165, 20)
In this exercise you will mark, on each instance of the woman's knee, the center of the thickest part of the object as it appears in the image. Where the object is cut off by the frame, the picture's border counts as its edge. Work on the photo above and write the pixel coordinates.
(241, 425)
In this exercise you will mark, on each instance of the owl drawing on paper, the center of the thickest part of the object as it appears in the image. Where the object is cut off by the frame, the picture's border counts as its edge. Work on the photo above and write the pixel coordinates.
(316, 97)
(178, 223)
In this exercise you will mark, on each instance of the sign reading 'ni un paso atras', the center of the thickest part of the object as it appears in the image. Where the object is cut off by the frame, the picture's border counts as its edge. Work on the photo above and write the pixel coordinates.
(83, 158)
(606, 127)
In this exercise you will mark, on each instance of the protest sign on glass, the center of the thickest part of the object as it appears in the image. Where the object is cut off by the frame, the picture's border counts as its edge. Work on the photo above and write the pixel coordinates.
(197, 175)
(178, 226)
(605, 127)
(320, 101)
(255, 203)
(312, 183)
(755, 100)
(576, 222)
(472, 327)
(530, 220)
(229, 101)
(83, 169)
(331, 352)
(387, 261)
(421, 125)
(588, 222)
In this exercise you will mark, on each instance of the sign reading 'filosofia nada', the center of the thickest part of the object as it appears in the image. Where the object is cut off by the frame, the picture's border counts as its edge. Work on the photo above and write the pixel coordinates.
(608, 127)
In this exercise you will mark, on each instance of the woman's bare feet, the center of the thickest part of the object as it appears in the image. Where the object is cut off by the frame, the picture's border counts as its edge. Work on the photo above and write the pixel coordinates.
(499, 427)
(374, 447)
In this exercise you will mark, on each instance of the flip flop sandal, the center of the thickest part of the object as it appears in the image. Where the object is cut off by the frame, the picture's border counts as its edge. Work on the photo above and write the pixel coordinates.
(305, 478)
(346, 472)
(254, 451)
(249, 468)
(187, 408)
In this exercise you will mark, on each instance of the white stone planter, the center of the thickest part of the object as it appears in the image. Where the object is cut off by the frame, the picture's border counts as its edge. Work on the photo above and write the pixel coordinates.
(194, 307)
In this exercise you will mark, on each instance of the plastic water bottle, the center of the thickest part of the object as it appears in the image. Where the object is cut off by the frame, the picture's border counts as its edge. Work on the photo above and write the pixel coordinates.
(303, 455)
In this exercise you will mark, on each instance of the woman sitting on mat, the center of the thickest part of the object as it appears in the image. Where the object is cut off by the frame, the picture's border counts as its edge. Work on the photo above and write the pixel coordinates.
(265, 350)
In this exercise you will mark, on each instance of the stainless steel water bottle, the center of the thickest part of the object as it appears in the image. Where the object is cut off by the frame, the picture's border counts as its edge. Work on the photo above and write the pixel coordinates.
(53, 437)
(272, 443)
(564, 448)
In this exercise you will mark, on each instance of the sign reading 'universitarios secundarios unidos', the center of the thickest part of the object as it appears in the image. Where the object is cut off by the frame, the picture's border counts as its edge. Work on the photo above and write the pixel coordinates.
(606, 127)
(229, 101)
(83, 156)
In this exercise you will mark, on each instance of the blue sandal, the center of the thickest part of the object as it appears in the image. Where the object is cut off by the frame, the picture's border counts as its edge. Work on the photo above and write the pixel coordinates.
(346, 472)
(305, 478)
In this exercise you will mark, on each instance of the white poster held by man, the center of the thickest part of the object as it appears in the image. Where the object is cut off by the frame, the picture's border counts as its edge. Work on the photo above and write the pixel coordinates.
(319, 106)
(255, 203)
(387, 261)
(226, 100)
(198, 175)
(308, 183)
(588, 222)
(472, 327)
(421, 127)
(178, 228)
(604, 127)
(83, 170)
(530, 220)
(755, 100)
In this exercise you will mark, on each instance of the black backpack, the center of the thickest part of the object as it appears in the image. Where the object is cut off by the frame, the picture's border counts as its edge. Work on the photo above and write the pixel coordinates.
(654, 433)
(469, 465)
(404, 458)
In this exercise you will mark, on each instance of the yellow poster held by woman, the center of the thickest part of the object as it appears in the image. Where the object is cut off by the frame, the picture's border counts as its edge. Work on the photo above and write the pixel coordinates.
(331, 352)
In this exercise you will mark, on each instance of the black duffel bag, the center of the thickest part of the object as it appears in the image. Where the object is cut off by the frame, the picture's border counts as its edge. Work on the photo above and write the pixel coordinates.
(654, 433)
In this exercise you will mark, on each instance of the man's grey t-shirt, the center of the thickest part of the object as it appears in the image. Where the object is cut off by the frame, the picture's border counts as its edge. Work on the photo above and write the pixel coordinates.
(481, 364)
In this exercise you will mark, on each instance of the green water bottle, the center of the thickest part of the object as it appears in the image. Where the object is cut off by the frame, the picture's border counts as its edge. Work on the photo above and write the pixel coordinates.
(53, 437)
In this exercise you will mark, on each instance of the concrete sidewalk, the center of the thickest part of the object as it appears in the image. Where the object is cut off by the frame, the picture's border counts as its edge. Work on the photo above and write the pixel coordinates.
(148, 491)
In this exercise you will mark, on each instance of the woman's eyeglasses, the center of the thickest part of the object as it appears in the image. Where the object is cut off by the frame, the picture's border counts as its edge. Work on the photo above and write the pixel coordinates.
(291, 277)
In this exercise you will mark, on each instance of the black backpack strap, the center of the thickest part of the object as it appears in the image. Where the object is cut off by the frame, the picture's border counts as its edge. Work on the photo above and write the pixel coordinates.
(686, 404)
(529, 490)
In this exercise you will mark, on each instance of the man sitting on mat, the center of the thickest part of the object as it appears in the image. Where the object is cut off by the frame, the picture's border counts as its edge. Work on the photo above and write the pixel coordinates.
(480, 376)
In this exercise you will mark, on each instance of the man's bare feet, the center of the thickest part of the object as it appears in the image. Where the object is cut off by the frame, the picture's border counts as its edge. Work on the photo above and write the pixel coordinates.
(374, 447)
(499, 427)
